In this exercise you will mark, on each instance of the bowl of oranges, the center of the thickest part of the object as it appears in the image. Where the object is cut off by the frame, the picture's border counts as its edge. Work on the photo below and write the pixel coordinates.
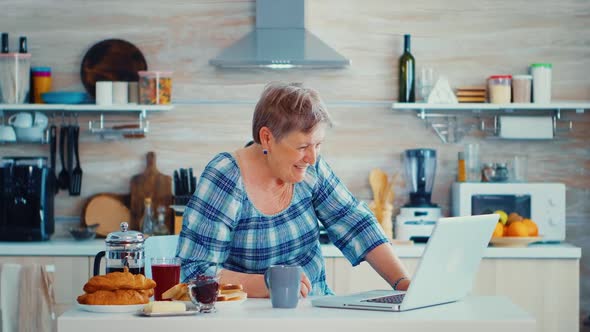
(513, 230)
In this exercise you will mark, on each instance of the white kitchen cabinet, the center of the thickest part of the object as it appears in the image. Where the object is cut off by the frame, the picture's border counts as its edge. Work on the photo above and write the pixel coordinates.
(70, 275)
(546, 288)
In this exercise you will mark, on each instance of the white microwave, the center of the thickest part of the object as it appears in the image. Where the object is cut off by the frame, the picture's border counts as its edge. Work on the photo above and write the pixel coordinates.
(544, 203)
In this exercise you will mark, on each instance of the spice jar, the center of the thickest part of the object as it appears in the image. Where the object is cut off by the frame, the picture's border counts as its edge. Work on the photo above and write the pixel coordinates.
(41, 82)
(499, 89)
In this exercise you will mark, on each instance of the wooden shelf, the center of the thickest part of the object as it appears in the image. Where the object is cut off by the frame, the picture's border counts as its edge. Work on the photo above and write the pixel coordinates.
(86, 108)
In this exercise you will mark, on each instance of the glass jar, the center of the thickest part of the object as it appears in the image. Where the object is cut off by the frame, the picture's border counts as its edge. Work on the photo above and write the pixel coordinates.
(155, 87)
(499, 87)
(501, 172)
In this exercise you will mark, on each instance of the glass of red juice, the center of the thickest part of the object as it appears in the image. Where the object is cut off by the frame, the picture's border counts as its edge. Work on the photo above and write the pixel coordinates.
(166, 273)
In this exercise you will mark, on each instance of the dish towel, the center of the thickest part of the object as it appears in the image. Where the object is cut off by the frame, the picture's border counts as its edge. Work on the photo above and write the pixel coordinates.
(36, 296)
(27, 300)
(9, 288)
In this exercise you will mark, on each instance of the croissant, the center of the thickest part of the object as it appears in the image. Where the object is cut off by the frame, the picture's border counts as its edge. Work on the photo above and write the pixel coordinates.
(118, 280)
(116, 297)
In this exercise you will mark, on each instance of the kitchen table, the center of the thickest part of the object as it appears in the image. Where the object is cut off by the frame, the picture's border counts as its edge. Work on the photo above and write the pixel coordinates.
(475, 313)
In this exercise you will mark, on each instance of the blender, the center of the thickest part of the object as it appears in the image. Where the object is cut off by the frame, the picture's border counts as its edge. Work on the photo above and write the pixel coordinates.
(417, 218)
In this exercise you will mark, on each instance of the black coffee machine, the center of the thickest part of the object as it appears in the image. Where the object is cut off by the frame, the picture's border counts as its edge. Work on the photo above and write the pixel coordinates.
(27, 191)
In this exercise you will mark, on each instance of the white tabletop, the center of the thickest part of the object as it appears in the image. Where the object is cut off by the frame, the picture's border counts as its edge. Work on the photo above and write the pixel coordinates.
(479, 314)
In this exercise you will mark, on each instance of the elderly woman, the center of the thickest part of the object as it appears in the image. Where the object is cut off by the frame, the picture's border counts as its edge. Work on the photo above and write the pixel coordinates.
(260, 205)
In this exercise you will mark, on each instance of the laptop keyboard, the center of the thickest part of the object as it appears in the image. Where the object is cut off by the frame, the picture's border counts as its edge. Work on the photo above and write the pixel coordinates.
(393, 299)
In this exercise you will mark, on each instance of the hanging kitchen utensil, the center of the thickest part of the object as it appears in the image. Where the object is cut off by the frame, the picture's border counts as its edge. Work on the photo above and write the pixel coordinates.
(52, 156)
(63, 179)
(111, 60)
(70, 156)
(76, 180)
(151, 183)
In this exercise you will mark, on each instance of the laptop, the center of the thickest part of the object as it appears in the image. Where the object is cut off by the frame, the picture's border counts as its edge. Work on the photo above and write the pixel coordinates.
(444, 274)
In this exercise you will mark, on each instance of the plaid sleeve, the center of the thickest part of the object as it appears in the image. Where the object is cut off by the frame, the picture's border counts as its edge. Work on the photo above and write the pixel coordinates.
(209, 218)
(350, 224)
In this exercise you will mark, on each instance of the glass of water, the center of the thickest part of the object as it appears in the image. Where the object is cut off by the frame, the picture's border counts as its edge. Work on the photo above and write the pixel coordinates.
(426, 82)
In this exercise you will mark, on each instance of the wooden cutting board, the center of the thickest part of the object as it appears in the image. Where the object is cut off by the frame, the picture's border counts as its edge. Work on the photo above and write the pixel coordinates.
(150, 183)
(108, 210)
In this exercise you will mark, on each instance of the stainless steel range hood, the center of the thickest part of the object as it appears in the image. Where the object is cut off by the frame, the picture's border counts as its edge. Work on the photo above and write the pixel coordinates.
(280, 40)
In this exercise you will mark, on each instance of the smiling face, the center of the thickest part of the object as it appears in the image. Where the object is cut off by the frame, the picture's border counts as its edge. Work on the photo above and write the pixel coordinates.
(289, 157)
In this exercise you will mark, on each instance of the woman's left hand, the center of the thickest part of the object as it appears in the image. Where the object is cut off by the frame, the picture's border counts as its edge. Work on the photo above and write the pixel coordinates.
(305, 285)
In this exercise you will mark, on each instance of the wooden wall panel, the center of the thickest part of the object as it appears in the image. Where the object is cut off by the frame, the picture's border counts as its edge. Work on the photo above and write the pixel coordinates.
(464, 40)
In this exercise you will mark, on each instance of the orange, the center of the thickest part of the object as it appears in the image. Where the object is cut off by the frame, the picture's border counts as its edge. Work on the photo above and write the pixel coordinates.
(517, 228)
(513, 217)
(499, 230)
(531, 226)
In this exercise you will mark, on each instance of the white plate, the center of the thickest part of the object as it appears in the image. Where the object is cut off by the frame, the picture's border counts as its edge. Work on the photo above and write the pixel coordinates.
(111, 308)
(514, 241)
(164, 314)
(228, 304)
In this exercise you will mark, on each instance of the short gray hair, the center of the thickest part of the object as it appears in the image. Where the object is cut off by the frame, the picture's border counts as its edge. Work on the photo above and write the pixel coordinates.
(287, 107)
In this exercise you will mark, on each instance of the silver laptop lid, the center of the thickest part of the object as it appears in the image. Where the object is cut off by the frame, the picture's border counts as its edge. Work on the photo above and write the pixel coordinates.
(450, 261)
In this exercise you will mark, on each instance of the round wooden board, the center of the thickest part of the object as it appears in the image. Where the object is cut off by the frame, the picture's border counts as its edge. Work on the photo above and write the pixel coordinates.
(111, 60)
(108, 211)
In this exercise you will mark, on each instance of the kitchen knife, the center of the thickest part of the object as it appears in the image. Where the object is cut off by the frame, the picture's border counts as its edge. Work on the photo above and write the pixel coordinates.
(183, 181)
(176, 183)
(191, 187)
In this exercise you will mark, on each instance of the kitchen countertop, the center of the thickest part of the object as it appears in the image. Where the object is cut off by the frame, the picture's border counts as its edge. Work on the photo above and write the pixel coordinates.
(473, 313)
(71, 247)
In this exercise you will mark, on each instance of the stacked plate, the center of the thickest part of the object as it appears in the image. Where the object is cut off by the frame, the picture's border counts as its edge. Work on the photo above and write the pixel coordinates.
(471, 94)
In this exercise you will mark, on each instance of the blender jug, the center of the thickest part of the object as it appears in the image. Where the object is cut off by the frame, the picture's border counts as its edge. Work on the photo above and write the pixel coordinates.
(123, 249)
(420, 166)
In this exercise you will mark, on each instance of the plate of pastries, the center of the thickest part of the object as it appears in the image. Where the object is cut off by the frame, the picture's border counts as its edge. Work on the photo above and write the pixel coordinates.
(116, 292)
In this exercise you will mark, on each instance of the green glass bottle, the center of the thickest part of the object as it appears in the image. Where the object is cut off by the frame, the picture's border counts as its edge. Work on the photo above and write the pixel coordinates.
(407, 66)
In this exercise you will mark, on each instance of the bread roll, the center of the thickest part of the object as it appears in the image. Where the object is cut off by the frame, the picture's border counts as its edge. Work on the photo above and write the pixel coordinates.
(176, 292)
(229, 288)
(118, 280)
(116, 297)
(236, 295)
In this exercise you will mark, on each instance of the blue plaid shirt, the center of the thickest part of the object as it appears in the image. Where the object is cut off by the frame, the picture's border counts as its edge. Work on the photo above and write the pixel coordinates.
(222, 226)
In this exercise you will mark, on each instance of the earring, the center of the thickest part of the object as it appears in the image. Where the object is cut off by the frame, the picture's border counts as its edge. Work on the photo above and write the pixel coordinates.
(265, 151)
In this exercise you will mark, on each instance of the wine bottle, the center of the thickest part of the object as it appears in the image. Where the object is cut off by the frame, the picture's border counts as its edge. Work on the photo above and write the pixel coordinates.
(4, 42)
(407, 75)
